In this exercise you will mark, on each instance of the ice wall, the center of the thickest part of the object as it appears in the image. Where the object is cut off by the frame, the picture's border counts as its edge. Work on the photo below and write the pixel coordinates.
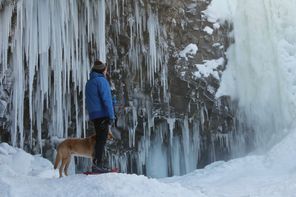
(49, 46)
(260, 74)
(50, 63)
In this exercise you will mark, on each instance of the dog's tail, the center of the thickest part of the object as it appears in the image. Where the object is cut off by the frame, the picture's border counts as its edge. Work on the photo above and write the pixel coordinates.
(57, 160)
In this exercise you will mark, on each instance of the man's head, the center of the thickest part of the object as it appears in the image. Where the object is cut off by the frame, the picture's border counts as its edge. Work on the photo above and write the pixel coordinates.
(99, 66)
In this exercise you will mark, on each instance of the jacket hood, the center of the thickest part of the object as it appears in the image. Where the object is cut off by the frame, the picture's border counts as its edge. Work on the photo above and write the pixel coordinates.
(93, 75)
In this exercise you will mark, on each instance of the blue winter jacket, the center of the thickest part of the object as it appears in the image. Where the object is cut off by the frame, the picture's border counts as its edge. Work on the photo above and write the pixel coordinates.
(98, 97)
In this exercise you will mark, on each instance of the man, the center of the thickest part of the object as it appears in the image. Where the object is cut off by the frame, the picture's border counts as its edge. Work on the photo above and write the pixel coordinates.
(100, 108)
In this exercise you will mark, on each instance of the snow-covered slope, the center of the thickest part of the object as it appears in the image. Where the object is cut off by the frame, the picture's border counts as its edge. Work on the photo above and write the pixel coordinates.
(273, 174)
(22, 174)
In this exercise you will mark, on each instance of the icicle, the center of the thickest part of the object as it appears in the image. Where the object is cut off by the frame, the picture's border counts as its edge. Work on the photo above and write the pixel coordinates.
(132, 47)
(157, 154)
(152, 59)
(196, 143)
(78, 130)
(31, 51)
(5, 24)
(142, 155)
(117, 16)
(150, 117)
(132, 129)
(18, 90)
(176, 156)
(101, 31)
(171, 122)
(186, 143)
(38, 112)
(147, 141)
(164, 83)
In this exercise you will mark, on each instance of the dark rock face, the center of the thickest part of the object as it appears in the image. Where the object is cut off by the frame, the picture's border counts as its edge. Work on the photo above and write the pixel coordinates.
(166, 108)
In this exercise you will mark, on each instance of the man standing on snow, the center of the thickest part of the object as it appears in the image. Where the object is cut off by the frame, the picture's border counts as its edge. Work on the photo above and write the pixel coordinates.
(100, 108)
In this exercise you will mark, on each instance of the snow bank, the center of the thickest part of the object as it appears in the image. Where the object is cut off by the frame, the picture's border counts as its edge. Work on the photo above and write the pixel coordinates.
(22, 174)
(273, 175)
(16, 162)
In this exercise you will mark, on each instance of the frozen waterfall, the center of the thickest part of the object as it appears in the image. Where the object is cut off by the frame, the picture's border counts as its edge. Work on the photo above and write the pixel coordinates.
(261, 71)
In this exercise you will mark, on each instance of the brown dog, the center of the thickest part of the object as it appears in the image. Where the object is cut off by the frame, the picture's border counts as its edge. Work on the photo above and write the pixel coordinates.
(75, 146)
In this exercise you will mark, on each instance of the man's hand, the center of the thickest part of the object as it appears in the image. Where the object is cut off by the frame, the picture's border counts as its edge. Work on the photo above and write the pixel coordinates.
(110, 135)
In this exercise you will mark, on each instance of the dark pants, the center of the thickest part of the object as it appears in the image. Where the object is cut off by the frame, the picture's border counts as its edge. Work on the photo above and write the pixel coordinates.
(102, 128)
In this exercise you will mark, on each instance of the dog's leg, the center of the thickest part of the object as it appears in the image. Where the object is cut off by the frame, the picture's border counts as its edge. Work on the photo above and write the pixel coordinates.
(64, 161)
(61, 171)
(68, 160)
(57, 160)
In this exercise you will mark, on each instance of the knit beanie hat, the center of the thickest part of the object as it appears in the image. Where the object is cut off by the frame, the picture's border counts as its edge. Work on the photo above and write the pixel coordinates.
(98, 65)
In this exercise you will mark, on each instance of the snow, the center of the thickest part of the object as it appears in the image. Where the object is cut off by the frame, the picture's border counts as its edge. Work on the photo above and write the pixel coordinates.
(216, 25)
(220, 11)
(272, 174)
(189, 51)
(209, 67)
(208, 30)
(22, 174)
